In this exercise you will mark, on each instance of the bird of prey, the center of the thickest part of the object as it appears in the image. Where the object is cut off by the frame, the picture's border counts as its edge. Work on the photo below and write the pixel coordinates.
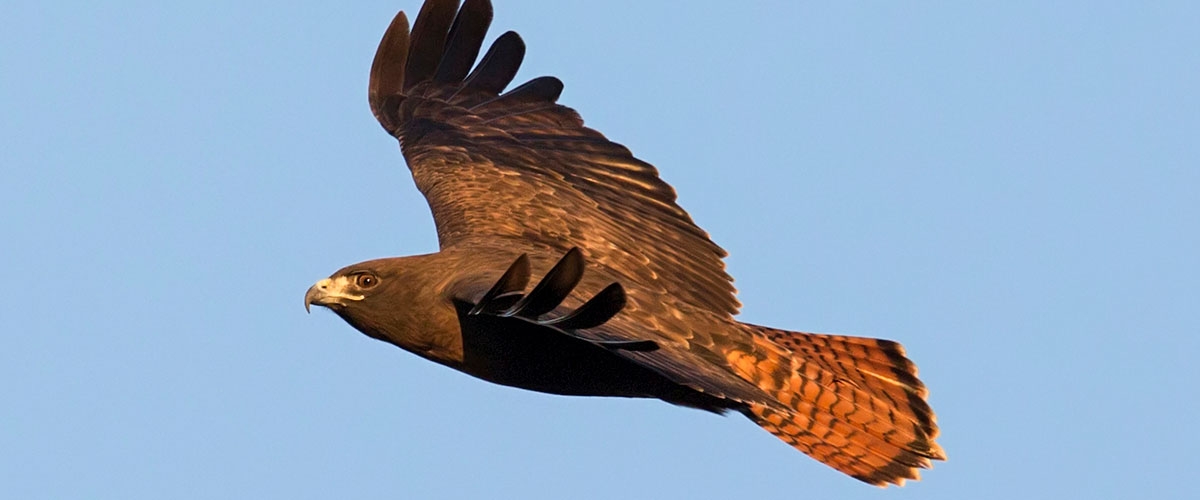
(631, 297)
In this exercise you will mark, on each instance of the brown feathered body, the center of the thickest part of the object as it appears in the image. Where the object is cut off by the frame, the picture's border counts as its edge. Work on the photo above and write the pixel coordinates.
(512, 174)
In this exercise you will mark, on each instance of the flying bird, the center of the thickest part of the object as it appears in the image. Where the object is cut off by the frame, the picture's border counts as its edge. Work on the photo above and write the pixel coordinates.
(631, 297)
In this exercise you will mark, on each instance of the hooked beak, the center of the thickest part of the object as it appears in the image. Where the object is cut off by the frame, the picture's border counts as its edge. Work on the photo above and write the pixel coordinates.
(329, 292)
(316, 294)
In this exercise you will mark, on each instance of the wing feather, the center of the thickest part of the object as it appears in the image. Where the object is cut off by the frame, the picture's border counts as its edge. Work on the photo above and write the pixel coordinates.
(516, 166)
(498, 67)
(464, 41)
(428, 41)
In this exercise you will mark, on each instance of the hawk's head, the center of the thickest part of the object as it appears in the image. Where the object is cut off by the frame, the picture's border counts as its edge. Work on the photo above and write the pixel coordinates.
(400, 300)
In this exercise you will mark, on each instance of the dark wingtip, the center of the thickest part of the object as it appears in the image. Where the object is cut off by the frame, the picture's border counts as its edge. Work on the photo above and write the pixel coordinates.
(464, 41)
(552, 289)
(428, 40)
(595, 312)
(499, 66)
(542, 88)
(387, 69)
(511, 283)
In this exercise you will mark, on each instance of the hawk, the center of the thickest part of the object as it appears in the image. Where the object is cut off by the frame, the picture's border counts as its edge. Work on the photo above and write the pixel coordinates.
(632, 298)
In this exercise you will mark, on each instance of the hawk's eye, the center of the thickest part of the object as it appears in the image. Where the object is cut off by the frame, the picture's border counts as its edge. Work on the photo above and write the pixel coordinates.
(366, 280)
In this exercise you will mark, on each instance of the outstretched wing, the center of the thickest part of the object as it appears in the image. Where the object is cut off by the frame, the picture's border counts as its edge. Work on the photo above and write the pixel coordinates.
(516, 166)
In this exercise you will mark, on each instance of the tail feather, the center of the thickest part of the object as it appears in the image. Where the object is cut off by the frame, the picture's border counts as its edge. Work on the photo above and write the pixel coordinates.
(881, 371)
(857, 454)
(853, 403)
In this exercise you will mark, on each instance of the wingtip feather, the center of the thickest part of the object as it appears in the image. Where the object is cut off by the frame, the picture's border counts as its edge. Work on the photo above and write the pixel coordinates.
(464, 41)
(499, 65)
(428, 40)
(387, 69)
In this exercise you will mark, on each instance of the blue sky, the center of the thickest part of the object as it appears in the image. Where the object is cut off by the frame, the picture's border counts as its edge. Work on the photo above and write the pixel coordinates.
(1009, 190)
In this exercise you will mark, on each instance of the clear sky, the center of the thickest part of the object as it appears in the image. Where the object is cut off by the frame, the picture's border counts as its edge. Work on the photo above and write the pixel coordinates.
(1010, 190)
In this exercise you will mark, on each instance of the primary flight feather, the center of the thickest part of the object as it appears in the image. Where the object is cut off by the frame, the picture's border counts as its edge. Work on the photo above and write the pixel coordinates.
(632, 298)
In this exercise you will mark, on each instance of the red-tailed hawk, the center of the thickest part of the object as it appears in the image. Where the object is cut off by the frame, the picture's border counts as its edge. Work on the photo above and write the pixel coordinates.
(632, 299)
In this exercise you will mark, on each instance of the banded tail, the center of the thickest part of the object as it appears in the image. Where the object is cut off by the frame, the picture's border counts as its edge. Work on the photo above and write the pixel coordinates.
(852, 403)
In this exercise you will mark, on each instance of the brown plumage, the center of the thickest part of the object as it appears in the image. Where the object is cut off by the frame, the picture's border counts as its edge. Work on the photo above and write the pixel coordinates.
(632, 298)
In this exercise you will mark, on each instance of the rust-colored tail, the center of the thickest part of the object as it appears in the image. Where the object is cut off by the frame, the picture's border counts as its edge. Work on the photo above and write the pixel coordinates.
(852, 403)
